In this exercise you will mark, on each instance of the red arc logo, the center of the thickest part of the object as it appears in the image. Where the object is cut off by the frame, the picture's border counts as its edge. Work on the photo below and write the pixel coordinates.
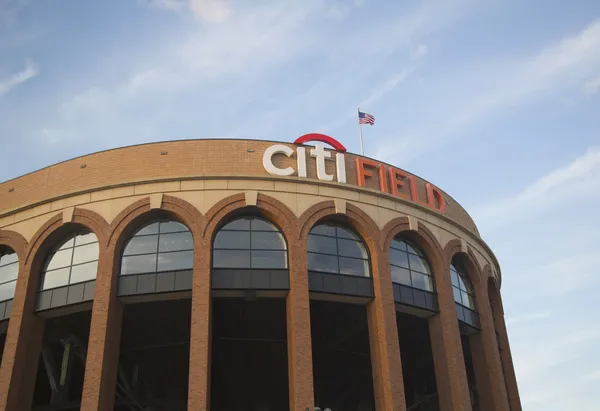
(321, 138)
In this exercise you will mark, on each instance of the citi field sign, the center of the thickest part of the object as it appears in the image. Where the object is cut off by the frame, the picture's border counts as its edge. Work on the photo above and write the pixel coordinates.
(366, 173)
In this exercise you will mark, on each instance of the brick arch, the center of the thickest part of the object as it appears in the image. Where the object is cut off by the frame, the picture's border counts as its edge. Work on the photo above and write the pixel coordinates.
(274, 210)
(14, 241)
(140, 211)
(422, 236)
(54, 228)
(474, 272)
(357, 218)
(493, 291)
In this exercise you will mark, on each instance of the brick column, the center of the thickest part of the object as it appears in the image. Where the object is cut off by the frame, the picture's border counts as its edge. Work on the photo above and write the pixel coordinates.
(449, 363)
(102, 361)
(23, 344)
(299, 342)
(200, 340)
(383, 339)
(486, 359)
(510, 379)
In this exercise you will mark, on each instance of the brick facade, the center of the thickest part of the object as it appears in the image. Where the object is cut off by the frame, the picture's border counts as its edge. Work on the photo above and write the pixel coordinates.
(108, 198)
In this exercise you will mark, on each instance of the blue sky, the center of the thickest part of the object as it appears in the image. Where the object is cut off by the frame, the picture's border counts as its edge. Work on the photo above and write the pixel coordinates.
(496, 102)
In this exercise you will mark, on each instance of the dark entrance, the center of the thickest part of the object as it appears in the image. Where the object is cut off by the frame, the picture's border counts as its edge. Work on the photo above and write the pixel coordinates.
(154, 356)
(249, 370)
(341, 356)
(61, 369)
(417, 363)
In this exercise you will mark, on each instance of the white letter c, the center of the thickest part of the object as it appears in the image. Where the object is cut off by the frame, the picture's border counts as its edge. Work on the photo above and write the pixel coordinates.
(268, 163)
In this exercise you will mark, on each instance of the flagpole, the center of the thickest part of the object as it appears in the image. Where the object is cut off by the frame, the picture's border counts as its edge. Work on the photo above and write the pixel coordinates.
(362, 151)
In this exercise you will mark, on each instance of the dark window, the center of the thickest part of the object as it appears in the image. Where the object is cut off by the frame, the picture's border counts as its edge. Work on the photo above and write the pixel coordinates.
(73, 261)
(249, 242)
(461, 287)
(409, 266)
(157, 247)
(337, 250)
(9, 270)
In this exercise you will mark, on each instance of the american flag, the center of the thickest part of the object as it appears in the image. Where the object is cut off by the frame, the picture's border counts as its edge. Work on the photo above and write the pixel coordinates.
(365, 118)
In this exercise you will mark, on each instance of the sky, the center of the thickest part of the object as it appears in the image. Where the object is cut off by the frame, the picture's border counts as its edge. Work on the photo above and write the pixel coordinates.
(497, 102)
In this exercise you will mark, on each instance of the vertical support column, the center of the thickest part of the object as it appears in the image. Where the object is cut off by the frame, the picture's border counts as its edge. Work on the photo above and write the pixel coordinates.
(486, 359)
(508, 369)
(200, 341)
(299, 340)
(102, 360)
(23, 344)
(386, 363)
(448, 358)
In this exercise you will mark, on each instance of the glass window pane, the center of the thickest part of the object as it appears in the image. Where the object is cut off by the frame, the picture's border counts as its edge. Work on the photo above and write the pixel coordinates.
(181, 260)
(149, 229)
(353, 266)
(454, 278)
(461, 283)
(399, 245)
(176, 242)
(418, 264)
(456, 293)
(7, 290)
(66, 244)
(56, 278)
(172, 227)
(262, 225)
(467, 301)
(231, 259)
(85, 239)
(138, 264)
(323, 263)
(9, 272)
(401, 276)
(320, 244)
(399, 258)
(8, 259)
(269, 259)
(60, 259)
(421, 281)
(344, 233)
(324, 229)
(232, 239)
(452, 268)
(242, 224)
(142, 245)
(414, 250)
(85, 253)
(267, 241)
(350, 248)
(84, 272)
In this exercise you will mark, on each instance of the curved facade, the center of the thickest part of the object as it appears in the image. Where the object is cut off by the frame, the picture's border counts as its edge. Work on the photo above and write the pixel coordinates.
(245, 274)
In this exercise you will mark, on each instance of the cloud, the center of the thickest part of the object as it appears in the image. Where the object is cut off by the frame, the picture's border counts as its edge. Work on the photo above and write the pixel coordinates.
(207, 10)
(562, 65)
(579, 178)
(592, 376)
(211, 10)
(526, 318)
(9, 83)
(592, 86)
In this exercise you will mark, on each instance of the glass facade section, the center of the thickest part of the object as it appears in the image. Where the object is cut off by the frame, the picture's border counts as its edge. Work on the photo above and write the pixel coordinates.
(157, 247)
(73, 261)
(249, 242)
(461, 286)
(9, 270)
(409, 266)
(336, 250)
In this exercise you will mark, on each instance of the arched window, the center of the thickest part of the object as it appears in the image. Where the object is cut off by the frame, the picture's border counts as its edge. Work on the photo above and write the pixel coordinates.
(249, 242)
(461, 286)
(73, 261)
(9, 270)
(409, 265)
(335, 249)
(159, 246)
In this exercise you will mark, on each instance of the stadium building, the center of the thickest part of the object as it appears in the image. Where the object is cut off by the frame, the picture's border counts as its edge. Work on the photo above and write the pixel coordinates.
(245, 275)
